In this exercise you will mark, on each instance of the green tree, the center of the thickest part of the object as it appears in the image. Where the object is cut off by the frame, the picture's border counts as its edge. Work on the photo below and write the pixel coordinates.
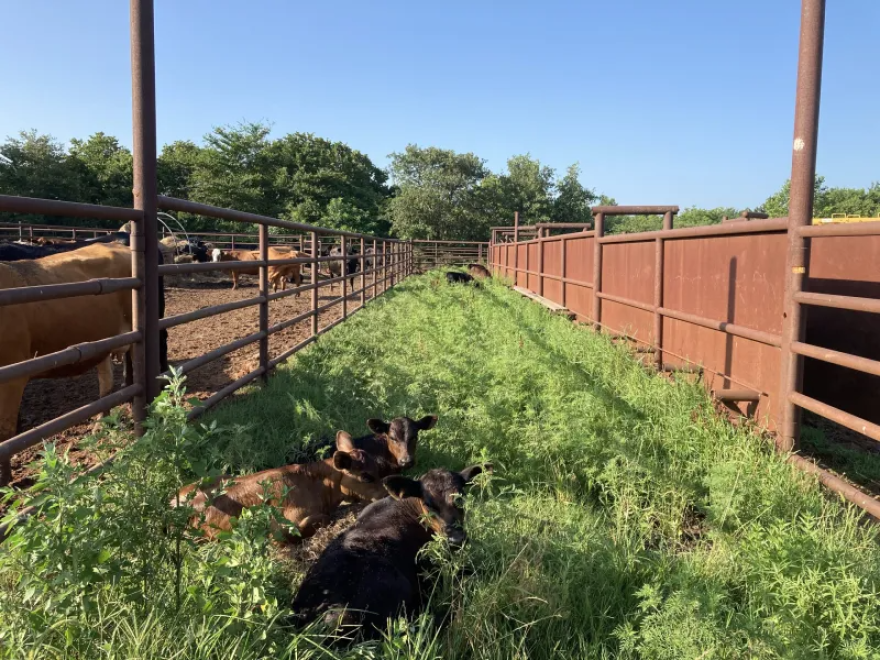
(697, 217)
(36, 165)
(573, 200)
(526, 187)
(176, 167)
(323, 182)
(438, 195)
(105, 170)
(236, 170)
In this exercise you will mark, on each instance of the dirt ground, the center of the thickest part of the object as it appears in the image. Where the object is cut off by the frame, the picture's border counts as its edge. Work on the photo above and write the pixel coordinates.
(47, 399)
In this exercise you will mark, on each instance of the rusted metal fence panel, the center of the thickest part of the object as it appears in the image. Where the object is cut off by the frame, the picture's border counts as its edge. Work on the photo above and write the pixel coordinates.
(628, 273)
(721, 291)
(423, 255)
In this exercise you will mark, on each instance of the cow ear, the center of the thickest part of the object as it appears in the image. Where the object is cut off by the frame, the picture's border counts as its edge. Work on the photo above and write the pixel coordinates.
(427, 422)
(469, 473)
(344, 441)
(400, 487)
(342, 461)
(378, 426)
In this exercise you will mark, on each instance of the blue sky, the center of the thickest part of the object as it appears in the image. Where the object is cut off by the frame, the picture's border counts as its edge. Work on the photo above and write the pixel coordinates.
(688, 102)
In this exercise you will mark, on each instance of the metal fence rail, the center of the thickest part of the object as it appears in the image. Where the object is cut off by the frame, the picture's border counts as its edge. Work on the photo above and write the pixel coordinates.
(433, 254)
(391, 258)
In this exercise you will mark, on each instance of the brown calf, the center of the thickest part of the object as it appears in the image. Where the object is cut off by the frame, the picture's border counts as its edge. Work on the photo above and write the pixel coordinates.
(277, 274)
(305, 494)
(479, 271)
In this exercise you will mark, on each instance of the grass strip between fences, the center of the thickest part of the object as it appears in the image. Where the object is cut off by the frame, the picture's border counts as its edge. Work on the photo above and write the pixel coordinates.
(625, 518)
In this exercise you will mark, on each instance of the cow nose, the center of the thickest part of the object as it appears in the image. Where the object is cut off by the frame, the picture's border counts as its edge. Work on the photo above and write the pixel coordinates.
(406, 462)
(456, 538)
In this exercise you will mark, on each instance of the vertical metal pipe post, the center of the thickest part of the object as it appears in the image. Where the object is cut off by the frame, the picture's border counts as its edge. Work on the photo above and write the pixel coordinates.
(800, 213)
(564, 247)
(541, 245)
(264, 305)
(146, 245)
(597, 270)
(516, 247)
(658, 293)
(363, 272)
(315, 254)
(344, 271)
(384, 266)
(375, 268)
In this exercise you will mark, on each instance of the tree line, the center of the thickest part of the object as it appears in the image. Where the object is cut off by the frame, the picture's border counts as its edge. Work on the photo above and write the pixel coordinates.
(426, 192)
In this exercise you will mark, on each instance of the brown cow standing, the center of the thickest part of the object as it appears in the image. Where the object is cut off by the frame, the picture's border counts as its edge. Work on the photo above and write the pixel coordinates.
(47, 326)
(277, 274)
(306, 494)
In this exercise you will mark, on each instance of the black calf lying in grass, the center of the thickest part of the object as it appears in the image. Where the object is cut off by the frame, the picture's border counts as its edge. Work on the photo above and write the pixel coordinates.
(369, 573)
(460, 278)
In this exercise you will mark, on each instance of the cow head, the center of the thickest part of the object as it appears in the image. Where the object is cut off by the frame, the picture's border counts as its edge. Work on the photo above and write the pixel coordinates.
(357, 463)
(440, 494)
(401, 436)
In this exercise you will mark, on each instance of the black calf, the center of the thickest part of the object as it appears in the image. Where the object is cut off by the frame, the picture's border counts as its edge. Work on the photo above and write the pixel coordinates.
(369, 573)
(459, 278)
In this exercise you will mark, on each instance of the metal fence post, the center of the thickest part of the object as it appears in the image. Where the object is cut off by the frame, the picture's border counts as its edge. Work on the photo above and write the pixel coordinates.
(146, 301)
(800, 214)
(344, 271)
(375, 268)
(540, 266)
(363, 273)
(658, 293)
(564, 247)
(597, 270)
(315, 254)
(516, 247)
(264, 304)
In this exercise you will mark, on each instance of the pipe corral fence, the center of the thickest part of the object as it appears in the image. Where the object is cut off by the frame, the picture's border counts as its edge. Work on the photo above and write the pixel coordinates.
(434, 254)
(713, 299)
(730, 300)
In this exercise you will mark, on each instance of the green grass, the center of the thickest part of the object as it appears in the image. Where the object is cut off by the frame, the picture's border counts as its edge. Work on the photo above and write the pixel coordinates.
(624, 518)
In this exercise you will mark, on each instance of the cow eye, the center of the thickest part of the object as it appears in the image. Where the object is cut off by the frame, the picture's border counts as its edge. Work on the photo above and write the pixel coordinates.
(456, 500)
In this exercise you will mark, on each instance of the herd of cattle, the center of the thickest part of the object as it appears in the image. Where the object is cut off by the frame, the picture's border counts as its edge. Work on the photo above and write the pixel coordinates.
(372, 570)
(48, 326)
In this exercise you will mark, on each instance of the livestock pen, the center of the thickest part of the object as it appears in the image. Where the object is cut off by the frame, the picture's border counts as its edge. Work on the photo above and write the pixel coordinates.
(612, 527)
(625, 518)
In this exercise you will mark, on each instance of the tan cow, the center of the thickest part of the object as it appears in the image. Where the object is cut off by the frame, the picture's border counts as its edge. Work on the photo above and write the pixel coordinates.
(306, 494)
(277, 274)
(47, 326)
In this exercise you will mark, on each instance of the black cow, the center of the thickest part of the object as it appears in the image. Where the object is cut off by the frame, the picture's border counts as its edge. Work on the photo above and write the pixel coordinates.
(196, 248)
(370, 572)
(352, 264)
(459, 278)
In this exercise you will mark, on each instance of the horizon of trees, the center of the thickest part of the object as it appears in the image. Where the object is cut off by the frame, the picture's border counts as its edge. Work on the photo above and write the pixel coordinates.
(426, 192)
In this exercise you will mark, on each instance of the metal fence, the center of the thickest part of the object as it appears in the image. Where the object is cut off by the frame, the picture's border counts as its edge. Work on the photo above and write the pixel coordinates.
(433, 254)
(715, 298)
(33, 232)
(388, 263)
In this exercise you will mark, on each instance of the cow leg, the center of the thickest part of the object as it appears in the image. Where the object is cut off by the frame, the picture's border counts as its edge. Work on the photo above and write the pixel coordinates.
(234, 280)
(105, 380)
(127, 369)
(311, 524)
(297, 278)
(10, 403)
